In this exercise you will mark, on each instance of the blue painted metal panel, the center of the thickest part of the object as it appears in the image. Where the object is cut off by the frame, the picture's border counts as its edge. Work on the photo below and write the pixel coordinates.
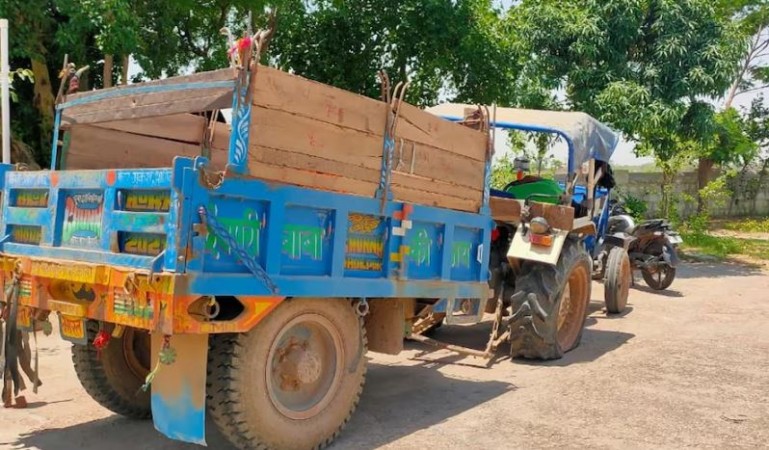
(78, 216)
(300, 286)
(362, 248)
(306, 241)
(426, 255)
(465, 264)
(311, 243)
(314, 243)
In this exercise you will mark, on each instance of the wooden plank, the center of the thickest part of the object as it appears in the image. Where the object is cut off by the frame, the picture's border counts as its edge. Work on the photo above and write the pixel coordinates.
(177, 127)
(316, 164)
(420, 126)
(433, 199)
(299, 134)
(278, 90)
(337, 183)
(100, 148)
(558, 216)
(280, 130)
(317, 180)
(275, 89)
(505, 209)
(202, 77)
(149, 105)
(432, 162)
(301, 161)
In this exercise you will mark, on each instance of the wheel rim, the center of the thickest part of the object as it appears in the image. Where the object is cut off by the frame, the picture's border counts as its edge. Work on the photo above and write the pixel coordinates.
(136, 350)
(304, 366)
(571, 312)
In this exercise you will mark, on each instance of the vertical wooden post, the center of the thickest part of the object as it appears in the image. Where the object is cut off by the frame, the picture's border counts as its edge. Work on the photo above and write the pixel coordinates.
(108, 65)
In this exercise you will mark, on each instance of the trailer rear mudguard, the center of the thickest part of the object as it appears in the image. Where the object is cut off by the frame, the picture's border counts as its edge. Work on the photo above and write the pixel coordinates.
(179, 386)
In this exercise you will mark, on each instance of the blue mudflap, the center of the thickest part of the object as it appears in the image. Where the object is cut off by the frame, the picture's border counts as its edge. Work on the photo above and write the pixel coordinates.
(179, 389)
(179, 418)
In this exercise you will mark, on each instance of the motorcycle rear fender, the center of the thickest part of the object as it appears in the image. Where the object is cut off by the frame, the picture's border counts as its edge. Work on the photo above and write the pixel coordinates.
(670, 255)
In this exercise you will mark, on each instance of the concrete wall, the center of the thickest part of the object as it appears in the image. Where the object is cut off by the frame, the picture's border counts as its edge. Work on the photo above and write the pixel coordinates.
(749, 199)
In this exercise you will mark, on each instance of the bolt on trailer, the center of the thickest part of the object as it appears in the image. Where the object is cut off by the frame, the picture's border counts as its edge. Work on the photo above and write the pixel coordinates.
(250, 281)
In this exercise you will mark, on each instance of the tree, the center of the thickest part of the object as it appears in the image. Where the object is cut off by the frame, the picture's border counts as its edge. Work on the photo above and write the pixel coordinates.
(643, 66)
(752, 18)
(461, 49)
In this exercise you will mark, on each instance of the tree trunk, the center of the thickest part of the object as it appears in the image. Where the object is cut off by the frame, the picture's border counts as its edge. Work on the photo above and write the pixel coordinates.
(126, 62)
(739, 188)
(704, 169)
(108, 65)
(44, 101)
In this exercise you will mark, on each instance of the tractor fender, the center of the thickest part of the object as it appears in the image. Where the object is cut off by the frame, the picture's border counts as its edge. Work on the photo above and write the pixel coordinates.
(522, 248)
(618, 240)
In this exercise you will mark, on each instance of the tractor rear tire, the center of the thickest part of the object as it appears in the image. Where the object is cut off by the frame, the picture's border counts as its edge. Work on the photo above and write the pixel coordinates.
(550, 304)
(617, 281)
(293, 381)
(114, 378)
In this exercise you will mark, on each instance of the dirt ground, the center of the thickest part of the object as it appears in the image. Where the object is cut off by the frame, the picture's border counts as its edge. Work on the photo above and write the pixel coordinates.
(685, 368)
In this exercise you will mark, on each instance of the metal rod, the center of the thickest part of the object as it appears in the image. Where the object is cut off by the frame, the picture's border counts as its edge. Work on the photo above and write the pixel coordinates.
(55, 145)
(453, 348)
(5, 80)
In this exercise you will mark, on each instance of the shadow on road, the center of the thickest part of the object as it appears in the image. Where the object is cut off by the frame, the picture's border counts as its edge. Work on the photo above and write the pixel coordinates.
(718, 270)
(114, 433)
(595, 343)
(400, 400)
(397, 401)
(669, 292)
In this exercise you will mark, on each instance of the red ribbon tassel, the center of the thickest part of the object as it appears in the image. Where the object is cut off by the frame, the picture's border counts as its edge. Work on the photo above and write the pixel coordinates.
(100, 341)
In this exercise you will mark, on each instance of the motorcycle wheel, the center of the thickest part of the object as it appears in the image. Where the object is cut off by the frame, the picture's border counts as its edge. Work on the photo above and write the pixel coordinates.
(661, 279)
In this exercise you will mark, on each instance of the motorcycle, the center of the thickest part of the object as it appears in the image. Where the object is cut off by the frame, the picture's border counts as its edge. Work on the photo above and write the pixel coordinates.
(652, 246)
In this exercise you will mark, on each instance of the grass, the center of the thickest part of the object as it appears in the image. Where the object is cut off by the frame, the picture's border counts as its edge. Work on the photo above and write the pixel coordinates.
(722, 247)
(749, 225)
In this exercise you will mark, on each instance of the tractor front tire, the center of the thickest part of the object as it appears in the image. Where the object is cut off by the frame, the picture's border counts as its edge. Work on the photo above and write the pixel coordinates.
(114, 376)
(617, 281)
(550, 305)
(293, 381)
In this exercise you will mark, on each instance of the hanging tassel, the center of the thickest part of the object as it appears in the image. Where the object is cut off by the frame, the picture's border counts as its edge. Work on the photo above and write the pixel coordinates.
(166, 357)
(101, 340)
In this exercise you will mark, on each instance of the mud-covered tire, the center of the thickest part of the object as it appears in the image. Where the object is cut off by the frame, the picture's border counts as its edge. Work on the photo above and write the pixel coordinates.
(617, 280)
(535, 332)
(114, 377)
(246, 402)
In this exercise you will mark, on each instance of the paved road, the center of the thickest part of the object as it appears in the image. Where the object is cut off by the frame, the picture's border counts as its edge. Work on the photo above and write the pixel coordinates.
(685, 368)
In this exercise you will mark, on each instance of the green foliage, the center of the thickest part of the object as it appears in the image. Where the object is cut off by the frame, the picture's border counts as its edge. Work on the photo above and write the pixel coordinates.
(461, 48)
(22, 75)
(725, 246)
(720, 246)
(635, 206)
(502, 172)
(716, 193)
(636, 65)
(749, 225)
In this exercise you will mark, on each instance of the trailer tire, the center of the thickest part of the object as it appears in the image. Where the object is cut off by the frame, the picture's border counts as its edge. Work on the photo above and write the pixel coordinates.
(114, 376)
(543, 326)
(617, 281)
(267, 388)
